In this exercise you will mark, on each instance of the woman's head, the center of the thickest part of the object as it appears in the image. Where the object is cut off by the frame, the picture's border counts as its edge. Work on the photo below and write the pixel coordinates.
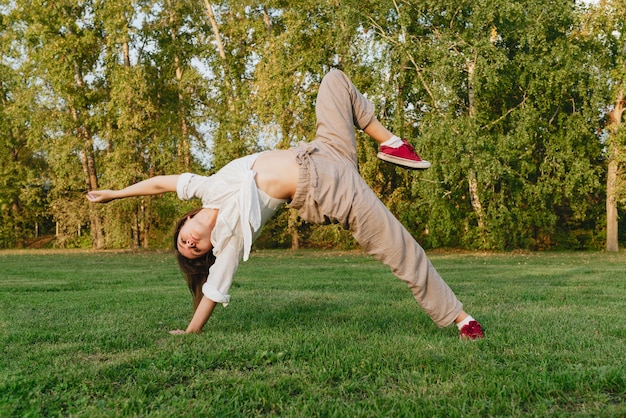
(191, 237)
(195, 269)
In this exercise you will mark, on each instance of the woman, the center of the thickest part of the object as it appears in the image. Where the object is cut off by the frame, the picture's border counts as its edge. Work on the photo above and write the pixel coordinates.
(321, 180)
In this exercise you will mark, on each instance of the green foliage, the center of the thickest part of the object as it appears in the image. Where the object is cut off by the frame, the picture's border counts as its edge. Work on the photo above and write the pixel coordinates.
(275, 233)
(505, 98)
(513, 139)
(24, 176)
(311, 334)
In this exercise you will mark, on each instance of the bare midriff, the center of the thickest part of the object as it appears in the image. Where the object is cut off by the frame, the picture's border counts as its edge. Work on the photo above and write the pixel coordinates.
(277, 173)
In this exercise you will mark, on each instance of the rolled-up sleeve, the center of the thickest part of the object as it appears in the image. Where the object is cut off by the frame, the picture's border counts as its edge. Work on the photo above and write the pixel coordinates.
(182, 186)
(222, 271)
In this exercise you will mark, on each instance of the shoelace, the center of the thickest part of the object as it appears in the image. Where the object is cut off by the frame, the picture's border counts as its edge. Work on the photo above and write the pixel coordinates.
(409, 146)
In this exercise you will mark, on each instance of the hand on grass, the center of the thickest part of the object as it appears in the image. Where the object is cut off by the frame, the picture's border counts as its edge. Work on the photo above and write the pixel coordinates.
(178, 332)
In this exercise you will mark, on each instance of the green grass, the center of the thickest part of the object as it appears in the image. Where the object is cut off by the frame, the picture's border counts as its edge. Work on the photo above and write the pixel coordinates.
(311, 334)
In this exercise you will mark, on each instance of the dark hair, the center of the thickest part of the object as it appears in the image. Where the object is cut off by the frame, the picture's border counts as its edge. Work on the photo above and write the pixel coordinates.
(195, 270)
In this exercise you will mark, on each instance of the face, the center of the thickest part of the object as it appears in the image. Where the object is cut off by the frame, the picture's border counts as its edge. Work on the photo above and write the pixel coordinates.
(193, 239)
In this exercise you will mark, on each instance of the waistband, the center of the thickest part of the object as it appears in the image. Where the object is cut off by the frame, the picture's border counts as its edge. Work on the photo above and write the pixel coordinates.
(308, 176)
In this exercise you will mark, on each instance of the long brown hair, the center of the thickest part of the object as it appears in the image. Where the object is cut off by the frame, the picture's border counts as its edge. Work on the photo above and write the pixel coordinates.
(195, 270)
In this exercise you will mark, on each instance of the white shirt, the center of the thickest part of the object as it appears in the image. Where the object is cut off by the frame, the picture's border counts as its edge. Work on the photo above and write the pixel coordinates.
(243, 210)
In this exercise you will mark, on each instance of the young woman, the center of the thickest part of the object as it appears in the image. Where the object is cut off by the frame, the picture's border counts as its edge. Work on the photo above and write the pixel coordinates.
(321, 180)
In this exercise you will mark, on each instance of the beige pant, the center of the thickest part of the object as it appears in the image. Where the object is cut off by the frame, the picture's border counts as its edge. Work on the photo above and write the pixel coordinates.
(330, 189)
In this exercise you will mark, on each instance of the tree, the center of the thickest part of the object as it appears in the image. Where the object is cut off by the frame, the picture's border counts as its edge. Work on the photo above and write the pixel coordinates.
(503, 97)
(23, 171)
(607, 25)
(61, 47)
(147, 117)
(488, 86)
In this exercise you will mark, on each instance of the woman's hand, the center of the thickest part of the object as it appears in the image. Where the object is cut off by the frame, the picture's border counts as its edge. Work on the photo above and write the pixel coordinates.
(101, 196)
(202, 314)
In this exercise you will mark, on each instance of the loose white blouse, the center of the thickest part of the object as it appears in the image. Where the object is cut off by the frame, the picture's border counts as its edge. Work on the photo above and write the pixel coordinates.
(243, 210)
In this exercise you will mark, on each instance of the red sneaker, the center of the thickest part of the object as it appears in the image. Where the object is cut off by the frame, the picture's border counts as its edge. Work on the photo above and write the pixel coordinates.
(404, 156)
(472, 331)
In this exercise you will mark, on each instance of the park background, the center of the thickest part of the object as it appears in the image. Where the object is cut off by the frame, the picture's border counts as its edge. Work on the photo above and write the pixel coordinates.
(517, 104)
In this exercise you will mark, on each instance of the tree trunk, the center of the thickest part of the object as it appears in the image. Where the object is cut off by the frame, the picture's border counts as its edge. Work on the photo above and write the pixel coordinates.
(92, 184)
(471, 66)
(126, 47)
(222, 51)
(184, 147)
(89, 165)
(472, 180)
(612, 244)
(91, 180)
(146, 214)
(477, 205)
(17, 230)
(216, 30)
(612, 191)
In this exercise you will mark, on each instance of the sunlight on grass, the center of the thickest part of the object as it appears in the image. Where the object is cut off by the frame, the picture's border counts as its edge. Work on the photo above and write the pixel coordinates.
(311, 334)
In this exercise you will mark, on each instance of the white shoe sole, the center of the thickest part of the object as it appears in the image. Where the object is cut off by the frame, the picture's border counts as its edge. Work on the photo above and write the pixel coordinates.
(417, 165)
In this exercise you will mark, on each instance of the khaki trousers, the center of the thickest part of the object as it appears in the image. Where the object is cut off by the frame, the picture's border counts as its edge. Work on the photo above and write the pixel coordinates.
(330, 189)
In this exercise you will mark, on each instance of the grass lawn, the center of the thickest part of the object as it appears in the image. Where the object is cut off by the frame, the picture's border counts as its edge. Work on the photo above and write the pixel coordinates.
(311, 334)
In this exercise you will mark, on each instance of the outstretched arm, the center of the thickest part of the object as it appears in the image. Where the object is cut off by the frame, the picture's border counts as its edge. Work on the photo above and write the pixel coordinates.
(151, 186)
(215, 289)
